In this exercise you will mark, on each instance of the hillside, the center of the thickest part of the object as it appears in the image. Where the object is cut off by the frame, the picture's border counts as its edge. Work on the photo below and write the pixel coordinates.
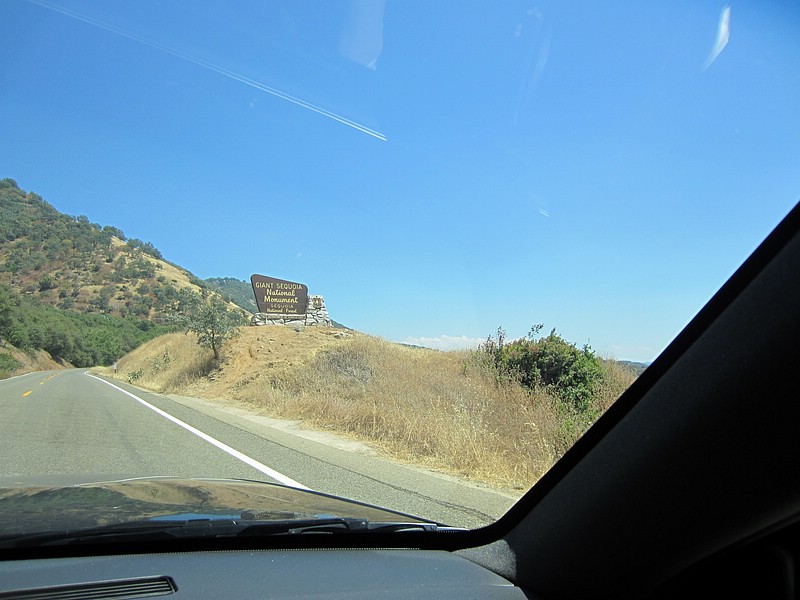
(70, 263)
(18, 362)
(78, 292)
(234, 290)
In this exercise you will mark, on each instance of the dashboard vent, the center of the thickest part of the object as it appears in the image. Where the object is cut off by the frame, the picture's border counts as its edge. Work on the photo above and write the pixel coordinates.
(119, 590)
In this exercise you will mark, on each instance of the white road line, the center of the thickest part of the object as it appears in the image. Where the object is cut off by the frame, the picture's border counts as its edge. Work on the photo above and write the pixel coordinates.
(280, 477)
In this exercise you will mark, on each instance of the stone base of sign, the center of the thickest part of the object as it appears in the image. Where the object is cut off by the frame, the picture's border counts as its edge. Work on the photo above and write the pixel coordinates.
(316, 315)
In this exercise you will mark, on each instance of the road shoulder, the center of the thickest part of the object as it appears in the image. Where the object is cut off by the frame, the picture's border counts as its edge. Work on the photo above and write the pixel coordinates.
(355, 455)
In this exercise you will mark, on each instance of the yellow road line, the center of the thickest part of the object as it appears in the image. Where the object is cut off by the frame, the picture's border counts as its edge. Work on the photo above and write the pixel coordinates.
(26, 393)
(48, 379)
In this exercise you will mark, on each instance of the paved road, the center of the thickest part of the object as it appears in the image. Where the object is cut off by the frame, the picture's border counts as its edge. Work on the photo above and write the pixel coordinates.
(59, 425)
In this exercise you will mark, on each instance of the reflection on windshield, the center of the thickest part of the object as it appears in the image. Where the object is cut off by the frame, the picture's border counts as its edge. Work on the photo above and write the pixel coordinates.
(114, 504)
(475, 227)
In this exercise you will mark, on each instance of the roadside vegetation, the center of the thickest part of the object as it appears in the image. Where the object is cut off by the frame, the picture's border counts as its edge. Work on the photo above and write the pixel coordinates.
(86, 294)
(79, 339)
(8, 364)
(211, 320)
(501, 414)
(169, 363)
(18, 362)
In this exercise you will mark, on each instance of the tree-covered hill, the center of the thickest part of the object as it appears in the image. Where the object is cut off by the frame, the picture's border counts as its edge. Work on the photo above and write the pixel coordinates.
(80, 339)
(70, 263)
(84, 293)
(238, 292)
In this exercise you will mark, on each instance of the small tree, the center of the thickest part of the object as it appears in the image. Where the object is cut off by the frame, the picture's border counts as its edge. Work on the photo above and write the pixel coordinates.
(212, 322)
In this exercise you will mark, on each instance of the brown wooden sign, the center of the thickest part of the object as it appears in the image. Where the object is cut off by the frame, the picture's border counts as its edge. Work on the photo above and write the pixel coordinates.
(279, 296)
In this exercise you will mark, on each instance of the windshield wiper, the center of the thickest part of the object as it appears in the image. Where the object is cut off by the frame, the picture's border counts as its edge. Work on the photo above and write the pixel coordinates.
(163, 529)
(333, 525)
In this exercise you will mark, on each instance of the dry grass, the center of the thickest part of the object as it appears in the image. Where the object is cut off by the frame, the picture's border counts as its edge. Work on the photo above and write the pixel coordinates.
(165, 364)
(437, 409)
(31, 360)
(421, 406)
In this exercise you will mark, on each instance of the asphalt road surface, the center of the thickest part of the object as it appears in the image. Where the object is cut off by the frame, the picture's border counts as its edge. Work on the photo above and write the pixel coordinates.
(61, 426)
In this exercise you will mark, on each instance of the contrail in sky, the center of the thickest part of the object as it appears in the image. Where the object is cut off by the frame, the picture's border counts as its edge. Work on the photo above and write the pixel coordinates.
(211, 67)
(723, 36)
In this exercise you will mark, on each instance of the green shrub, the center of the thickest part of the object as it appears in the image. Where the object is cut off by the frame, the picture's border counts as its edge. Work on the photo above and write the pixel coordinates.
(565, 371)
(134, 375)
(8, 364)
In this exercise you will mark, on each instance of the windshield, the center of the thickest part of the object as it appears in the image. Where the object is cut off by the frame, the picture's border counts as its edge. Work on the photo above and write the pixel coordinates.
(402, 253)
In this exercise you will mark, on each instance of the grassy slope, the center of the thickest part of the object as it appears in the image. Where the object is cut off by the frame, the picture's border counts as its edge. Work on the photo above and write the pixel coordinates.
(437, 409)
(27, 362)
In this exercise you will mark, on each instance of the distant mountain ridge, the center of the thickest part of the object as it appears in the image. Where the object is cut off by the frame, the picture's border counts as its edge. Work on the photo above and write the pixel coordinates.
(637, 367)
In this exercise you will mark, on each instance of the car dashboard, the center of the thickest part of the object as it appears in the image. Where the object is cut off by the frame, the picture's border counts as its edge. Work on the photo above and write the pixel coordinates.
(243, 574)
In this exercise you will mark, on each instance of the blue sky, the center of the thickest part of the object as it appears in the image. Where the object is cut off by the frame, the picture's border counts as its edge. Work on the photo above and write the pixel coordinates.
(434, 169)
